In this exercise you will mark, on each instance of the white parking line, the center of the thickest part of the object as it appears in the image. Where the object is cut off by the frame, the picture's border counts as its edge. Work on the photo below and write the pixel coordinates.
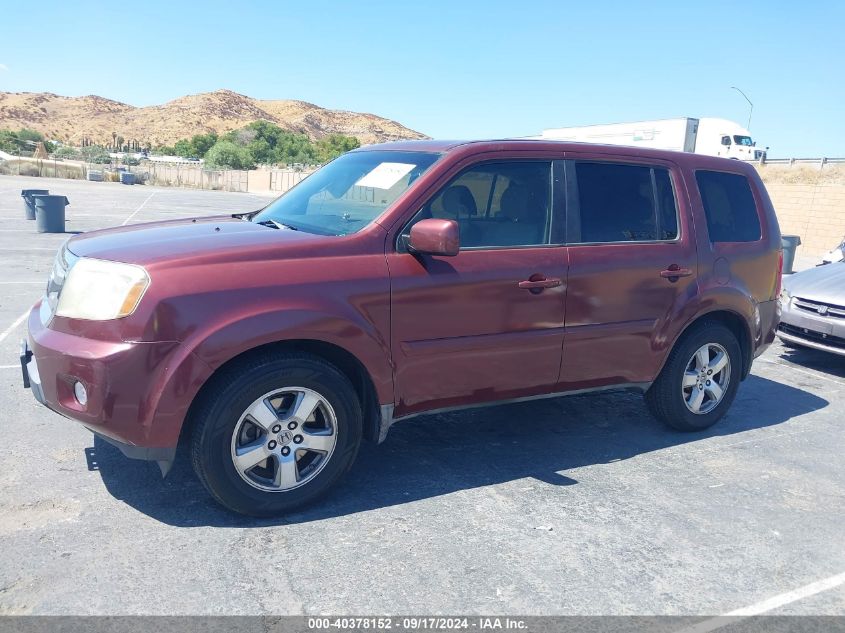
(143, 204)
(26, 248)
(814, 374)
(10, 283)
(10, 366)
(12, 327)
(765, 606)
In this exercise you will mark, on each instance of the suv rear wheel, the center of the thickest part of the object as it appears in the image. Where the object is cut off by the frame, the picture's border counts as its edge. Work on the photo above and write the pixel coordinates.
(699, 382)
(275, 432)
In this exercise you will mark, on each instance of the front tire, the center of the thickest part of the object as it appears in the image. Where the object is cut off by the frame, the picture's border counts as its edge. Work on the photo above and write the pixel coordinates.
(275, 432)
(699, 382)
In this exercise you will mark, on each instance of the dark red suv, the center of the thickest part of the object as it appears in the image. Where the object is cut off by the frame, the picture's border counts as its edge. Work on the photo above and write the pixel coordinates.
(402, 279)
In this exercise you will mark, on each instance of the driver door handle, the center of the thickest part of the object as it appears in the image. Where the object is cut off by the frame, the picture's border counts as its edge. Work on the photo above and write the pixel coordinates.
(673, 272)
(531, 284)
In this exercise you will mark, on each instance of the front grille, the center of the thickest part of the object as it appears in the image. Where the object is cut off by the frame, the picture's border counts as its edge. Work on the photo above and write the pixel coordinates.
(811, 335)
(817, 307)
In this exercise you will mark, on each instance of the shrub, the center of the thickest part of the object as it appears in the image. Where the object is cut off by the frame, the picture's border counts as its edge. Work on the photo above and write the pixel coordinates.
(67, 152)
(96, 154)
(228, 155)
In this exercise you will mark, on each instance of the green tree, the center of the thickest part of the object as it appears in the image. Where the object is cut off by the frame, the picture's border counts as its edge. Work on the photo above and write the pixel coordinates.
(334, 145)
(201, 143)
(26, 134)
(228, 155)
(261, 151)
(23, 141)
(265, 143)
(182, 148)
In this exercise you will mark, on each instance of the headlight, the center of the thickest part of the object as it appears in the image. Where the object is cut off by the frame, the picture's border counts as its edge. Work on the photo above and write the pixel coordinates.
(99, 290)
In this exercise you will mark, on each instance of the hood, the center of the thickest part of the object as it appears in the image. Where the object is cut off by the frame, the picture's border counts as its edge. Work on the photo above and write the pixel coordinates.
(825, 284)
(217, 236)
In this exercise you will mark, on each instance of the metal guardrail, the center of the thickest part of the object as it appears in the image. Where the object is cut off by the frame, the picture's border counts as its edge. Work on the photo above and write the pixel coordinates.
(819, 162)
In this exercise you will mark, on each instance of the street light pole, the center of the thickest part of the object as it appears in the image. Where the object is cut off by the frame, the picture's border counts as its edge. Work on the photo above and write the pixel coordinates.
(747, 127)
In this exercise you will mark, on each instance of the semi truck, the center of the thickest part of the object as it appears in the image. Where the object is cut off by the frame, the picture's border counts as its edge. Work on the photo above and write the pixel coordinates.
(710, 136)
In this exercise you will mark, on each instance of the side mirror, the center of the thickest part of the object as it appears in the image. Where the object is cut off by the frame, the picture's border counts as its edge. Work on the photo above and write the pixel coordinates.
(435, 237)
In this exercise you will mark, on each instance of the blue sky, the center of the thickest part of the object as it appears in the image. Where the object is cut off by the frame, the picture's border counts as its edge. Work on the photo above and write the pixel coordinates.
(458, 69)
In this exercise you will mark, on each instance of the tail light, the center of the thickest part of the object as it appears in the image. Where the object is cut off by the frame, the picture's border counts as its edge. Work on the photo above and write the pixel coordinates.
(779, 286)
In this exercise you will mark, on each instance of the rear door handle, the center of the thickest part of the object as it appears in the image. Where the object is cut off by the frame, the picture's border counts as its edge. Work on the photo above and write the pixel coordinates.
(539, 284)
(673, 272)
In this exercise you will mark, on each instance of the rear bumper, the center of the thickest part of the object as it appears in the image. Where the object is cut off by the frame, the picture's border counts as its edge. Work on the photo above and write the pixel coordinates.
(137, 392)
(769, 317)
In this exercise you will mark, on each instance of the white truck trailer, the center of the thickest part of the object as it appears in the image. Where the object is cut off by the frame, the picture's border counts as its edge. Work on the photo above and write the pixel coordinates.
(714, 137)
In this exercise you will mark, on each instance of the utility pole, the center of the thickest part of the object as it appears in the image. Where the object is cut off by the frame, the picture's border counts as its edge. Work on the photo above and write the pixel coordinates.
(750, 111)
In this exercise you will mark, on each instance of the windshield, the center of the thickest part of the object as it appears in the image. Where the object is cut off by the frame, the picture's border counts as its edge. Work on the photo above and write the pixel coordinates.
(743, 140)
(347, 194)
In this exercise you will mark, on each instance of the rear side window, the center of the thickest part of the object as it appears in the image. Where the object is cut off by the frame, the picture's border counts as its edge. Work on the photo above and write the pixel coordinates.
(625, 203)
(729, 207)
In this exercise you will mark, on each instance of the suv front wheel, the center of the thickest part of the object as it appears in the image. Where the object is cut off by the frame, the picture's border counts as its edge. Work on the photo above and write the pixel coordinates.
(699, 382)
(274, 432)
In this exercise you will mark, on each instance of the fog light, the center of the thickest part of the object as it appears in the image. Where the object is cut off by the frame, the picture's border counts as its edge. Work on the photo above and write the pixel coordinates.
(80, 392)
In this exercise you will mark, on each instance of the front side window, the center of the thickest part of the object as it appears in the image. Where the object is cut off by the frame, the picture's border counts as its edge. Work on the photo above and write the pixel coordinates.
(625, 203)
(497, 204)
(347, 194)
(729, 206)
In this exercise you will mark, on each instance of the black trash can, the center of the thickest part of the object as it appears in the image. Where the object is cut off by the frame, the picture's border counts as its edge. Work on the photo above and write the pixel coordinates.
(50, 213)
(29, 203)
(789, 243)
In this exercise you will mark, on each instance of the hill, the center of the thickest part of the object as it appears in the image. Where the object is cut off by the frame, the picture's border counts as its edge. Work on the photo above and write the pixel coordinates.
(70, 119)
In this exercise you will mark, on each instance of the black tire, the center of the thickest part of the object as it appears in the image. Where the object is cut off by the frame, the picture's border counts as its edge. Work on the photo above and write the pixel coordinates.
(665, 398)
(228, 396)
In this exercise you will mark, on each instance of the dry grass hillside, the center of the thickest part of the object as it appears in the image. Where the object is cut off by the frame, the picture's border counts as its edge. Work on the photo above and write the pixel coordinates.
(70, 119)
(802, 175)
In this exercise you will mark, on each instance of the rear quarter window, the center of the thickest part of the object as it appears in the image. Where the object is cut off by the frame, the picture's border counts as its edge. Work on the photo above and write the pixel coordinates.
(729, 207)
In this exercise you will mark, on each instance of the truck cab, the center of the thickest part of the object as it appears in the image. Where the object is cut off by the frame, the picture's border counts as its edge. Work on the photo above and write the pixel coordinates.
(721, 137)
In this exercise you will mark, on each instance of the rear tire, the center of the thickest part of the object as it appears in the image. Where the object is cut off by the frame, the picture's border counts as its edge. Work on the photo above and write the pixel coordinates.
(294, 415)
(700, 379)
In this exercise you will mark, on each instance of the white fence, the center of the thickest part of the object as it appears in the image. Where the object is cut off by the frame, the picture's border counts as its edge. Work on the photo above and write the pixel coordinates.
(197, 177)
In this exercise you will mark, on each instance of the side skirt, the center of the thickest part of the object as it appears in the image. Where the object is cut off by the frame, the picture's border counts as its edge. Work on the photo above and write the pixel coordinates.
(388, 420)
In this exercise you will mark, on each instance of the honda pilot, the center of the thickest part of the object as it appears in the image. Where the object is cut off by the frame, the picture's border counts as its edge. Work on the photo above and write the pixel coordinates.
(403, 279)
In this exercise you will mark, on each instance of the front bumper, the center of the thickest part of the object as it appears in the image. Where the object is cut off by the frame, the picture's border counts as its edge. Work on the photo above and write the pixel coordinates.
(802, 327)
(129, 387)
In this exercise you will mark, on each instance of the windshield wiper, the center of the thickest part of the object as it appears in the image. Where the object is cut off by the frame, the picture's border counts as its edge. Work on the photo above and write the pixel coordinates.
(277, 225)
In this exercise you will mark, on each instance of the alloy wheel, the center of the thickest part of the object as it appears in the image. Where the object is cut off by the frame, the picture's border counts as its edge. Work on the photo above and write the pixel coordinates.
(284, 439)
(706, 378)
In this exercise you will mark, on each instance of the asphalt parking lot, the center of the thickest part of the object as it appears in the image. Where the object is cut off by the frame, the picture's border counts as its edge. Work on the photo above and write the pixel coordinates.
(578, 505)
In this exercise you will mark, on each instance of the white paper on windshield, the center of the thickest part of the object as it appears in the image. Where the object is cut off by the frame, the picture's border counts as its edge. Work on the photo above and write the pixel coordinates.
(385, 175)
